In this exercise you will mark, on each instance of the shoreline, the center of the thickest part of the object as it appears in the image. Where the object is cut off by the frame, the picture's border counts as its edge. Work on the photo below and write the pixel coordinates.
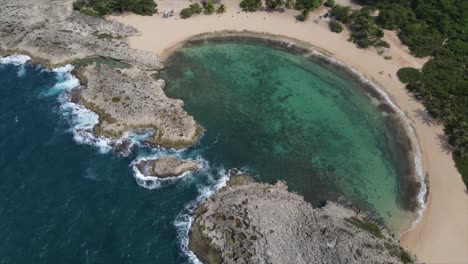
(375, 90)
(448, 234)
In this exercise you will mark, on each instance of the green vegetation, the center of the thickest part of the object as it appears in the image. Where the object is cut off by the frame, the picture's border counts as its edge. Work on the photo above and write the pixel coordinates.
(209, 7)
(462, 166)
(329, 3)
(115, 99)
(191, 10)
(274, 3)
(99, 8)
(308, 4)
(367, 225)
(409, 75)
(405, 257)
(341, 13)
(102, 35)
(221, 9)
(304, 15)
(251, 5)
(335, 26)
(429, 28)
(438, 29)
(112, 63)
(361, 23)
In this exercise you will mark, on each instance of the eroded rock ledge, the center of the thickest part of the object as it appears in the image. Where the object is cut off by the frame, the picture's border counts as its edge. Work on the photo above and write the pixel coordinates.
(248, 222)
(121, 83)
(166, 167)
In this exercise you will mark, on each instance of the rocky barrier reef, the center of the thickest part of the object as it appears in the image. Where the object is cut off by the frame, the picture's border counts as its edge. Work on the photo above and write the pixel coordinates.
(249, 222)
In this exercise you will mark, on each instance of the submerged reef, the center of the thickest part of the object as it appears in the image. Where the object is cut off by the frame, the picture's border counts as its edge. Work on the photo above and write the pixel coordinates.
(249, 222)
(124, 93)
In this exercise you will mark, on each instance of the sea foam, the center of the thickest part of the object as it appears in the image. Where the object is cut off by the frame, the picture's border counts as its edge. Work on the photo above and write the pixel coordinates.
(185, 219)
(16, 60)
(152, 182)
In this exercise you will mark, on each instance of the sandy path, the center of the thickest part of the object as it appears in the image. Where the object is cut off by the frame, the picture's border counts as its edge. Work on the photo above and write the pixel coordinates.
(442, 235)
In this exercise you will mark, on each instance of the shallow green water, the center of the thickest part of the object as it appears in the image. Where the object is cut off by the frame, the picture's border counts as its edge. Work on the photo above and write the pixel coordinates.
(285, 116)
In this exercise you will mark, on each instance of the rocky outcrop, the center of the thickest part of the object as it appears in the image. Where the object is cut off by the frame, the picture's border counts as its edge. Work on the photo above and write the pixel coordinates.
(247, 222)
(124, 92)
(131, 99)
(166, 167)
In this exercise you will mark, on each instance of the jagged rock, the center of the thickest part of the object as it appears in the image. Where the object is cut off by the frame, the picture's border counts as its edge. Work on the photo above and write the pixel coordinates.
(248, 222)
(130, 99)
(166, 167)
(52, 33)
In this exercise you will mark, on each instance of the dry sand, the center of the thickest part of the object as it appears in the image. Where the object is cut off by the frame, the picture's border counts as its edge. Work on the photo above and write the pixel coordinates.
(442, 234)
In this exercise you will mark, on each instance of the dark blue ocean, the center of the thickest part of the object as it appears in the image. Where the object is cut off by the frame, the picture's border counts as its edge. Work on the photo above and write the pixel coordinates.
(62, 201)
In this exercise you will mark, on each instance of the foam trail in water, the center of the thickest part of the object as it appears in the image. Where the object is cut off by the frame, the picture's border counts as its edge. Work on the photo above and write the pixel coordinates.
(21, 71)
(410, 131)
(185, 219)
(65, 81)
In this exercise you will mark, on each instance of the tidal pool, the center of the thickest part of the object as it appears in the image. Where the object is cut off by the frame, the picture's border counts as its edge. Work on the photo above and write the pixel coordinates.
(286, 115)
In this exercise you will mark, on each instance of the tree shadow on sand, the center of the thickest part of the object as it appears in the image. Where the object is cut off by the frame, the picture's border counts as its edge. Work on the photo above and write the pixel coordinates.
(425, 117)
(444, 144)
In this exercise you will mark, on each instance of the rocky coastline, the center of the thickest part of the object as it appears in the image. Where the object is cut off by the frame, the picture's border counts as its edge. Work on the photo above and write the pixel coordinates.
(244, 222)
(121, 83)
(249, 222)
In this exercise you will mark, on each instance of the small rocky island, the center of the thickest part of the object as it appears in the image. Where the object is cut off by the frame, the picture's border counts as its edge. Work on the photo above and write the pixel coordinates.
(165, 167)
(248, 222)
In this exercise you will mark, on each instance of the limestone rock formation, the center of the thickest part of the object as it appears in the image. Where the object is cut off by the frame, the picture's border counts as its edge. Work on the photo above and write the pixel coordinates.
(166, 167)
(247, 222)
(131, 99)
(122, 90)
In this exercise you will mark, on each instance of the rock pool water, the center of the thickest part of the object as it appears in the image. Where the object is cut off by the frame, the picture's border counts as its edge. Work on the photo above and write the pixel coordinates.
(285, 115)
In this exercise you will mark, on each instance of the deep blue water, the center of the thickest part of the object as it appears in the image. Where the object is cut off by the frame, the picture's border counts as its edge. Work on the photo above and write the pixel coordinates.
(63, 202)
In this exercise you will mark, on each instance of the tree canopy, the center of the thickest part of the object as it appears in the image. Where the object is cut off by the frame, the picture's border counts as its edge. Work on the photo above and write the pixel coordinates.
(104, 7)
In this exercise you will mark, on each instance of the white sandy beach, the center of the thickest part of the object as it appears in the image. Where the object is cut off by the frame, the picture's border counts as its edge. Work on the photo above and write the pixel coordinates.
(442, 234)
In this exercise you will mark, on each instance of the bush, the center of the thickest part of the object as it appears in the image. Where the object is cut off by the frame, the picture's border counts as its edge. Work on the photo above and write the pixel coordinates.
(308, 4)
(409, 75)
(221, 9)
(304, 15)
(335, 26)
(191, 10)
(104, 7)
(186, 13)
(382, 44)
(329, 3)
(462, 166)
(195, 8)
(274, 3)
(341, 13)
(289, 4)
(250, 5)
(209, 7)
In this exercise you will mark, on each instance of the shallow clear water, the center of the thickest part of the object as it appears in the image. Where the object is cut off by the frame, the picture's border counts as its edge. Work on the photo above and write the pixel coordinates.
(65, 198)
(286, 116)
